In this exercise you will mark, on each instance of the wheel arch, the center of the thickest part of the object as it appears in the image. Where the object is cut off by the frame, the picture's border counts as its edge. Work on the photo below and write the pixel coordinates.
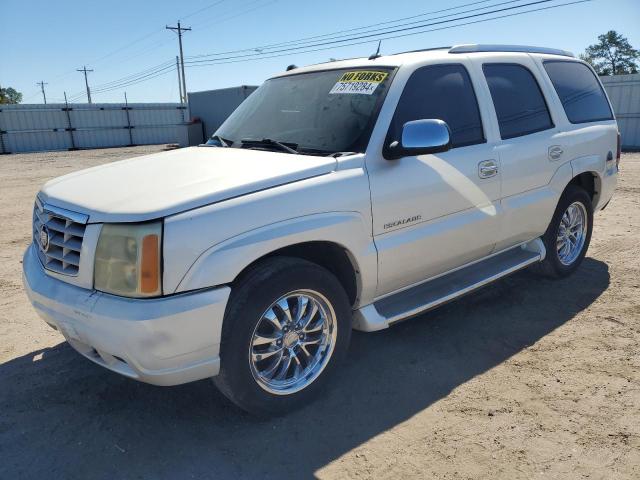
(586, 174)
(590, 182)
(330, 255)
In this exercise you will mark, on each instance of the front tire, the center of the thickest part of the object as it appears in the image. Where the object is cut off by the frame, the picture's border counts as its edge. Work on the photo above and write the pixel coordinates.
(568, 236)
(286, 328)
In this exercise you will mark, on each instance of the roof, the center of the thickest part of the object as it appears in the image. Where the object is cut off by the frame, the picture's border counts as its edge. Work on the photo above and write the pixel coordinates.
(397, 59)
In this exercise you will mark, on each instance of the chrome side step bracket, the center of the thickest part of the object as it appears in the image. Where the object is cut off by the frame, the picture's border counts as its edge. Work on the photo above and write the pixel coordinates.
(428, 295)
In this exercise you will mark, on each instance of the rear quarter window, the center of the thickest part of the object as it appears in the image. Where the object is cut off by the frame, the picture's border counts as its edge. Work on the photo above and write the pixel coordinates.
(520, 106)
(579, 90)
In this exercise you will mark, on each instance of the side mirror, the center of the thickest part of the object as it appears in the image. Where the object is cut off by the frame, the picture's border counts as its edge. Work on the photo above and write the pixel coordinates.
(420, 137)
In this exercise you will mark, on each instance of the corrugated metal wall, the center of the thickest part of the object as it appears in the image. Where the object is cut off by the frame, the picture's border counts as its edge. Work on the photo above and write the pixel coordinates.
(29, 128)
(624, 92)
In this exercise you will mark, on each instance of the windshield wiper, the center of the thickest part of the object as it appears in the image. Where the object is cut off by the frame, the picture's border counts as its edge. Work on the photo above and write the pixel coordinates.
(341, 154)
(265, 142)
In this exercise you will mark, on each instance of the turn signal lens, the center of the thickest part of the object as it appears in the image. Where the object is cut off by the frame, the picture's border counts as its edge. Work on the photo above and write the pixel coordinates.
(150, 264)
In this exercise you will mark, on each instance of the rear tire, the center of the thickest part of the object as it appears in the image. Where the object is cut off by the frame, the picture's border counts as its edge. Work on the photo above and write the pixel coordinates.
(286, 329)
(568, 236)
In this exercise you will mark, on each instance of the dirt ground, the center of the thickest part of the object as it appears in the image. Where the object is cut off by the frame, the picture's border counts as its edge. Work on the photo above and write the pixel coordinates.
(528, 378)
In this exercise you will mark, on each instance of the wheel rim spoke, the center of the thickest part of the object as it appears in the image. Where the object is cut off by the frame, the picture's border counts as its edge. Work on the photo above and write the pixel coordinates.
(263, 355)
(302, 303)
(271, 317)
(264, 339)
(303, 349)
(285, 364)
(269, 372)
(315, 341)
(285, 309)
(309, 316)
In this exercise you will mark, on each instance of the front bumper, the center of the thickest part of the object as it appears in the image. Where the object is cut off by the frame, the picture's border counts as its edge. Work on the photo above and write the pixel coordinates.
(163, 341)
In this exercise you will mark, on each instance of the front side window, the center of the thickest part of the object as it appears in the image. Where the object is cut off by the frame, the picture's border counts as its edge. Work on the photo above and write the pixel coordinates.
(518, 100)
(579, 91)
(441, 92)
(318, 112)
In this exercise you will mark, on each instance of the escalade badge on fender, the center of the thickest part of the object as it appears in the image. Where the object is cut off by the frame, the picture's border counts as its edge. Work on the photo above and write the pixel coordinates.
(44, 238)
(403, 221)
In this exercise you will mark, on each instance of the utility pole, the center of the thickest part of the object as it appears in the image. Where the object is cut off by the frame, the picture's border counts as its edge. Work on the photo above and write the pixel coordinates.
(179, 81)
(181, 29)
(86, 82)
(42, 83)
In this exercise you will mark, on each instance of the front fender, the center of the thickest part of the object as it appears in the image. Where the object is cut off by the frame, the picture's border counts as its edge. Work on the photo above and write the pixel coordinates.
(221, 263)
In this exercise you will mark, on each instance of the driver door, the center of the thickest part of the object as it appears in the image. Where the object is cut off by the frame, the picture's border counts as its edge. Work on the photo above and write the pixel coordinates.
(433, 213)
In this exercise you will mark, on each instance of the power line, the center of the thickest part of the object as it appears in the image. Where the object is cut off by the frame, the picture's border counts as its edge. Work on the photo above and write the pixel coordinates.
(223, 18)
(364, 27)
(207, 7)
(386, 34)
(140, 79)
(168, 66)
(122, 81)
(132, 43)
(134, 76)
(179, 29)
(149, 76)
(267, 56)
(154, 32)
(377, 35)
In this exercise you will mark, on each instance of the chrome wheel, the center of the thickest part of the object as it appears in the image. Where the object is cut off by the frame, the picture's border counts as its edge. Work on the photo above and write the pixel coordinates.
(572, 233)
(292, 342)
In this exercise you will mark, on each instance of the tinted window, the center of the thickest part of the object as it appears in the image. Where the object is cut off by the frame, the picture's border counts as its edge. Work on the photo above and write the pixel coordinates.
(443, 92)
(519, 103)
(580, 92)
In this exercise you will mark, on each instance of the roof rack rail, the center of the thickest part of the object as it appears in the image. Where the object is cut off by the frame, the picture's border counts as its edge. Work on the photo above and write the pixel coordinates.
(475, 48)
(422, 50)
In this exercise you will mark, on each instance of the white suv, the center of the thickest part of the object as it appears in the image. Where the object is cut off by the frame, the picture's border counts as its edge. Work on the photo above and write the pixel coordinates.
(355, 193)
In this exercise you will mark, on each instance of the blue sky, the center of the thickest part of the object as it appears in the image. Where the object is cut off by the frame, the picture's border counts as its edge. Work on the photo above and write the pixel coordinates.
(45, 40)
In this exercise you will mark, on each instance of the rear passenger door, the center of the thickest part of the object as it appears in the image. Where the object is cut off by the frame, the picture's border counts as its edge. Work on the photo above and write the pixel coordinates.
(529, 148)
(432, 213)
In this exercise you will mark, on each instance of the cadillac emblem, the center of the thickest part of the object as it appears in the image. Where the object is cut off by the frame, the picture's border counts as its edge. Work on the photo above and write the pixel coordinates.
(44, 238)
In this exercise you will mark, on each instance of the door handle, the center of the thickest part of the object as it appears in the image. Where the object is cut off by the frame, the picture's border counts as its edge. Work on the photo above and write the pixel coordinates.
(487, 169)
(555, 152)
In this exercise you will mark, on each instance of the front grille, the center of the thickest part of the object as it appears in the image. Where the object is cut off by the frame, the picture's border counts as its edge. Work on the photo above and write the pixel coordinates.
(58, 235)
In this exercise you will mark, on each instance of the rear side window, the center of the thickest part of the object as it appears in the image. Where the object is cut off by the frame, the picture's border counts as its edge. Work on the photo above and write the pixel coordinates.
(518, 100)
(443, 92)
(579, 90)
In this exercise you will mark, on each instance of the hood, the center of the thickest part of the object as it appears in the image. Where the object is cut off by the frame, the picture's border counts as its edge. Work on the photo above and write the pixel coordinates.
(153, 186)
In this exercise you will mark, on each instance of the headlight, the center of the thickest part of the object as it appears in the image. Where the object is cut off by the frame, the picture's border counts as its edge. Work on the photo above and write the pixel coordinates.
(128, 259)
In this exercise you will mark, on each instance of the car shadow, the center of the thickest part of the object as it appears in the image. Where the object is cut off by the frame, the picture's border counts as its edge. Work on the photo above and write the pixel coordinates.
(63, 417)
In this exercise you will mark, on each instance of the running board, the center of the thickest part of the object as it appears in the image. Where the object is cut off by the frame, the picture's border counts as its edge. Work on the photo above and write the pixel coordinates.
(433, 293)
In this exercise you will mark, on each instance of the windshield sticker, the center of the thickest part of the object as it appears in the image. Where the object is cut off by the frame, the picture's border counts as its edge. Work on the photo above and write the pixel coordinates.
(359, 82)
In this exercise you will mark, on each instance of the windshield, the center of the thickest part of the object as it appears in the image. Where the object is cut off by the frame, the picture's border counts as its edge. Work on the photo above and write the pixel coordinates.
(319, 112)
